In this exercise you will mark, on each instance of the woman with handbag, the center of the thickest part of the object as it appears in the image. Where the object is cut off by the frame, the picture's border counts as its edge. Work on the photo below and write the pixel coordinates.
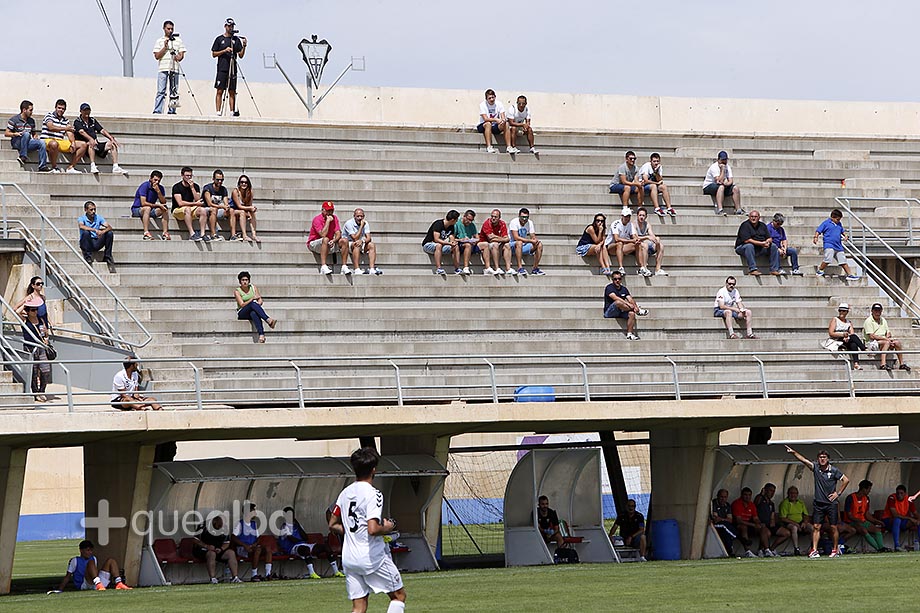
(35, 291)
(36, 342)
(841, 330)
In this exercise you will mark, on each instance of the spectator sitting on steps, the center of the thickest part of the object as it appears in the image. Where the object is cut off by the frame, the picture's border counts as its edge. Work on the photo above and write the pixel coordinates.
(249, 305)
(720, 182)
(778, 234)
(753, 240)
(358, 234)
(842, 330)
(729, 306)
(87, 130)
(59, 138)
(187, 205)
(243, 210)
(441, 239)
(125, 385)
(217, 201)
(618, 304)
(20, 129)
(150, 201)
(326, 237)
(95, 234)
(492, 121)
(593, 242)
(654, 186)
(878, 338)
(494, 243)
(627, 182)
(519, 122)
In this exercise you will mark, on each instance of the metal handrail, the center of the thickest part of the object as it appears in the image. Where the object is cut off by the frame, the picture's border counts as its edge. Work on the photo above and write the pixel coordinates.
(568, 386)
(885, 282)
(76, 293)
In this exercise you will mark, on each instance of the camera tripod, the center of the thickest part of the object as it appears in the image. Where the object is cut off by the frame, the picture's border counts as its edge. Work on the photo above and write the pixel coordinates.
(188, 85)
(234, 71)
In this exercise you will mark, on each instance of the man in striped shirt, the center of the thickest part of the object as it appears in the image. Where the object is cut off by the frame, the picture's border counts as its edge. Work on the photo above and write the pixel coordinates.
(59, 137)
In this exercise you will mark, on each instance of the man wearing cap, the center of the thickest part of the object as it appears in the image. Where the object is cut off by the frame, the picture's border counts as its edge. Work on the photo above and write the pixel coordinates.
(224, 48)
(624, 239)
(626, 181)
(830, 483)
(95, 234)
(879, 339)
(326, 237)
(619, 304)
(754, 239)
(720, 182)
(778, 234)
(87, 129)
(168, 51)
(20, 129)
(88, 575)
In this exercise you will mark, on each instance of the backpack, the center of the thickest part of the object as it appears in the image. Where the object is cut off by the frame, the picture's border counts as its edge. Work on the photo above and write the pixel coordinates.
(564, 555)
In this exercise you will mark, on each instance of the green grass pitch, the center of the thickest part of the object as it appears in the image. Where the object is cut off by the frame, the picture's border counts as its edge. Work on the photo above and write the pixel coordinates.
(851, 583)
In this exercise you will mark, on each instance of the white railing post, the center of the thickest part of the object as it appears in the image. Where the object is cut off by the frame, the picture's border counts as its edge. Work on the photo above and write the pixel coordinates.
(399, 395)
(763, 376)
(69, 388)
(676, 378)
(6, 228)
(197, 385)
(849, 368)
(584, 372)
(910, 224)
(492, 378)
(299, 382)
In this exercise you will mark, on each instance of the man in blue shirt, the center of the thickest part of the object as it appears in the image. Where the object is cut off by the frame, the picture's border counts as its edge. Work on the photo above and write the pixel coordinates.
(95, 234)
(834, 235)
(87, 575)
(778, 234)
(150, 200)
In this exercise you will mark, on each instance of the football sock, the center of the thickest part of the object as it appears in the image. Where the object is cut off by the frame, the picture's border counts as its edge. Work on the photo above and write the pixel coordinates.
(396, 606)
(335, 567)
(310, 570)
(96, 581)
(254, 572)
(118, 580)
(268, 569)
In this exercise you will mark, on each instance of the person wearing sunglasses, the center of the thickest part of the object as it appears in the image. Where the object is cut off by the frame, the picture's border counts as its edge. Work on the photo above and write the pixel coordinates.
(592, 242)
(35, 293)
(729, 306)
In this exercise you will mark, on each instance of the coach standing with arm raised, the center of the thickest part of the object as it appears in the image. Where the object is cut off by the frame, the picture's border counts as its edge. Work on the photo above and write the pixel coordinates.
(827, 491)
(223, 49)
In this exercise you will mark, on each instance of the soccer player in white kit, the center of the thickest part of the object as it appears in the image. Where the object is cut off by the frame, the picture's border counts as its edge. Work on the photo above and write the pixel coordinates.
(358, 517)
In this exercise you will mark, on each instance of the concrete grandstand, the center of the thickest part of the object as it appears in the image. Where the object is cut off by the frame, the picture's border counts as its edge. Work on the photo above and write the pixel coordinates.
(468, 340)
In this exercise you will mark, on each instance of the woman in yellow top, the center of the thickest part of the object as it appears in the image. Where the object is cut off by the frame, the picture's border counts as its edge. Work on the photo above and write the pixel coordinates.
(249, 305)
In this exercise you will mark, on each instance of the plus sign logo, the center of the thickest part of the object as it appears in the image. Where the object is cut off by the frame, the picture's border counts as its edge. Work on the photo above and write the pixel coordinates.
(103, 522)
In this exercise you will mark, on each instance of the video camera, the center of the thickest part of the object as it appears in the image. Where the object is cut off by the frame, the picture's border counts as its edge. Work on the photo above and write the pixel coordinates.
(173, 36)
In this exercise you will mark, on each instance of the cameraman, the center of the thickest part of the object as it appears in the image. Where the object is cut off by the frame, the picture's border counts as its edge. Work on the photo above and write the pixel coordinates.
(224, 49)
(169, 50)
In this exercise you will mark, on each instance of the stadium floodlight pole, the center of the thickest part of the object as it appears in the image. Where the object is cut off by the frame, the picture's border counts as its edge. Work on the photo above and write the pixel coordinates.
(127, 58)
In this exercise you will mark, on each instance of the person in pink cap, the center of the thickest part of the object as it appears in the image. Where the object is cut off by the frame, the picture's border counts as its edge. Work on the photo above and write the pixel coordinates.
(35, 341)
(326, 237)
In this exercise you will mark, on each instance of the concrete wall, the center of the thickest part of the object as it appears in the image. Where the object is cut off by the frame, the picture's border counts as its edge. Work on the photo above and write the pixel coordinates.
(414, 106)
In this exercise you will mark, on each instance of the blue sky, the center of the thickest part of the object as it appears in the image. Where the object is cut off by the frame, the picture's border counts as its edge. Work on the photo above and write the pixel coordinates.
(845, 50)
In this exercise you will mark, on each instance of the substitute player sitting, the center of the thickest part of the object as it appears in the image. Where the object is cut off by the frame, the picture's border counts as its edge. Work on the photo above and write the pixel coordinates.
(548, 522)
(358, 517)
(87, 575)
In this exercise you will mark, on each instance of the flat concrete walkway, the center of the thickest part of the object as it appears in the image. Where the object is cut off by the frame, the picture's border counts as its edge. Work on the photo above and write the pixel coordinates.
(63, 429)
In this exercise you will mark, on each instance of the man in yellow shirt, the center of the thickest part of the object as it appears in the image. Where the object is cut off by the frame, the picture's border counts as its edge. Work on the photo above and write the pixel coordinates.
(878, 338)
(793, 515)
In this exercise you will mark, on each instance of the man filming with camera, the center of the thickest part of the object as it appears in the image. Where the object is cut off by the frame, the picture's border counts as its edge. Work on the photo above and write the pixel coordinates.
(227, 49)
(169, 50)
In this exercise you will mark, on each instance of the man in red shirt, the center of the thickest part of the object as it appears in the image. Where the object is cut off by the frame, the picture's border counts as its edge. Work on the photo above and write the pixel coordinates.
(744, 513)
(494, 241)
(326, 237)
(856, 513)
(899, 515)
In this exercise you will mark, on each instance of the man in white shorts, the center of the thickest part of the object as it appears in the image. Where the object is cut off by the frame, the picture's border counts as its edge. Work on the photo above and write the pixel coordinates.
(326, 237)
(358, 234)
(358, 517)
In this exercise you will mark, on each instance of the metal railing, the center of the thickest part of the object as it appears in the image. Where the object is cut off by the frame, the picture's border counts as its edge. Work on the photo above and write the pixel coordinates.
(862, 237)
(317, 381)
(108, 330)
